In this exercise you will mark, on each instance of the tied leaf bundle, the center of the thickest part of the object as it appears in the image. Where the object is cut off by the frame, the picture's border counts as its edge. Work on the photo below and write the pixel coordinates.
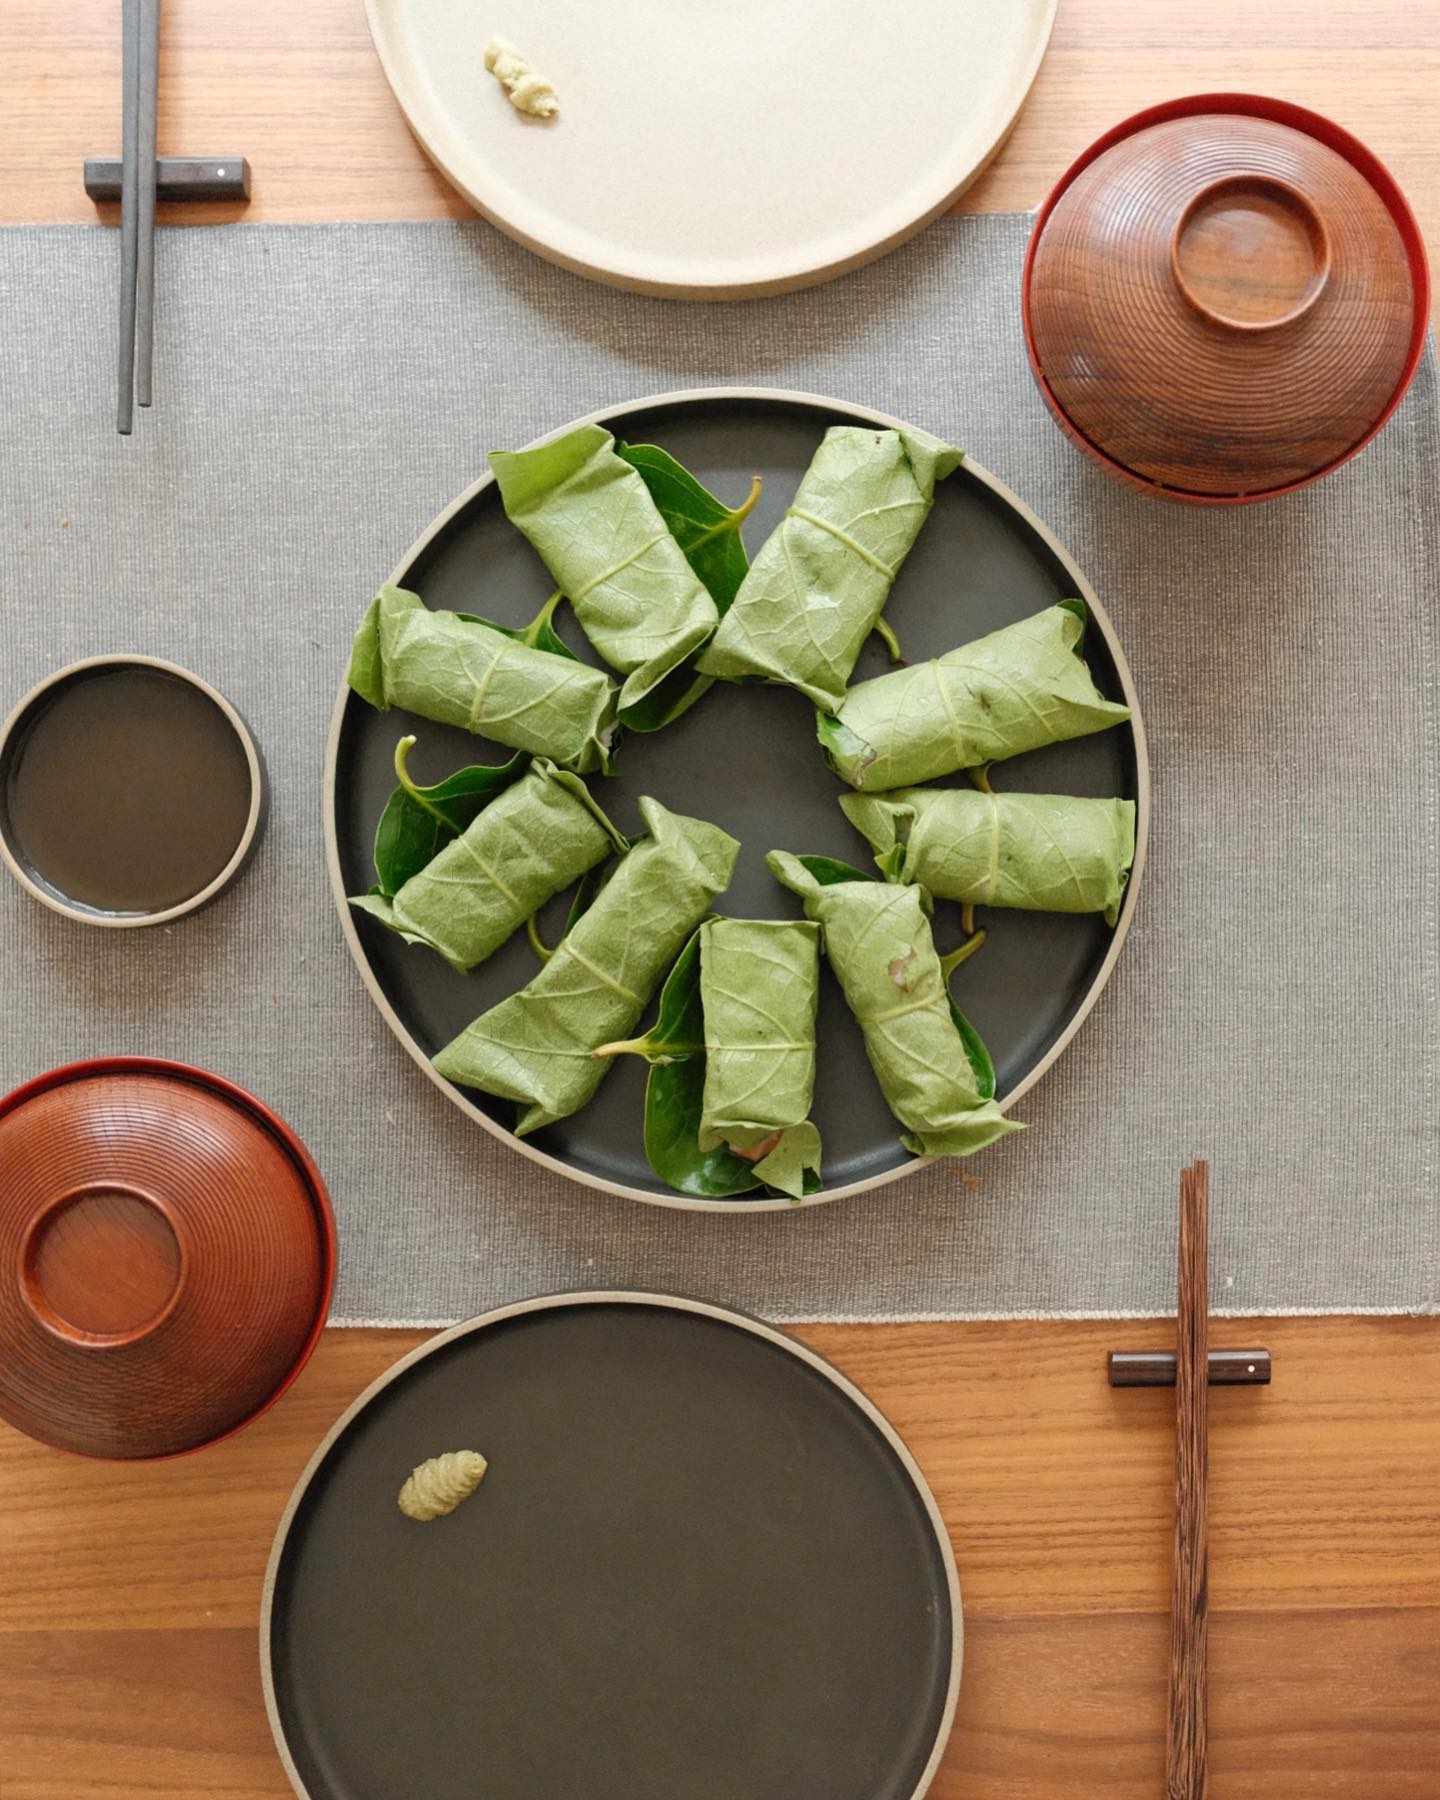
(732, 1061)
(1040, 852)
(525, 689)
(542, 832)
(708, 533)
(1015, 690)
(932, 1067)
(591, 519)
(819, 584)
(537, 1047)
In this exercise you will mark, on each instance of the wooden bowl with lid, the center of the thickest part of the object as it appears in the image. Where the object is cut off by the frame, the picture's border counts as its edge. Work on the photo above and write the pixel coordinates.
(167, 1256)
(1225, 298)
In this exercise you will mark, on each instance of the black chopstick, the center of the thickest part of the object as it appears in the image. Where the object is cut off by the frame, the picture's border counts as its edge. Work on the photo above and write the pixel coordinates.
(149, 88)
(1186, 1734)
(129, 215)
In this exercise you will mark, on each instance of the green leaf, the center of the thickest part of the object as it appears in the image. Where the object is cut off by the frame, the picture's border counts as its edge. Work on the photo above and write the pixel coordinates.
(931, 1065)
(590, 517)
(366, 674)
(538, 1047)
(679, 1028)
(732, 1055)
(793, 1166)
(459, 669)
(674, 1092)
(827, 870)
(1040, 852)
(759, 987)
(857, 511)
(419, 821)
(977, 1053)
(1015, 690)
(523, 846)
(846, 752)
(673, 1099)
(591, 883)
(539, 634)
(891, 863)
(708, 533)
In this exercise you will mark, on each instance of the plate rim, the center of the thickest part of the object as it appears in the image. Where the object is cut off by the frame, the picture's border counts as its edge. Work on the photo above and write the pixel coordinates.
(755, 1327)
(469, 184)
(867, 1184)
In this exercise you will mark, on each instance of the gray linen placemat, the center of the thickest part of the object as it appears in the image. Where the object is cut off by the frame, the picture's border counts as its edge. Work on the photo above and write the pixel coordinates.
(322, 391)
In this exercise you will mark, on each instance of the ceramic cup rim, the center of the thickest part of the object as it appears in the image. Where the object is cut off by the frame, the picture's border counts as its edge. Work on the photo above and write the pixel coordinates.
(73, 909)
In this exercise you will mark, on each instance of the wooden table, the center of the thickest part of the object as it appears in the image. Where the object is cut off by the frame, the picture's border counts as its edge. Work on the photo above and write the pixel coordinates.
(129, 1596)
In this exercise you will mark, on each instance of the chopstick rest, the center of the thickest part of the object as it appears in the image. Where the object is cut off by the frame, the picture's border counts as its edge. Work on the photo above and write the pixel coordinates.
(1156, 1368)
(177, 178)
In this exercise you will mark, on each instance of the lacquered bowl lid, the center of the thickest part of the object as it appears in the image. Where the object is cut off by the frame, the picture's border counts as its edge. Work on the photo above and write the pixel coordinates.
(167, 1254)
(1225, 297)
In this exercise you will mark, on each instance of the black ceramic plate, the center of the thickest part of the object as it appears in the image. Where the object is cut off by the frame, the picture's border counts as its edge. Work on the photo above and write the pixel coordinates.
(746, 757)
(701, 1567)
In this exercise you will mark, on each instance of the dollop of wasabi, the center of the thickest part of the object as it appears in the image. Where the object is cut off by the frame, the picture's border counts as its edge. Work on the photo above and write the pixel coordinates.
(529, 92)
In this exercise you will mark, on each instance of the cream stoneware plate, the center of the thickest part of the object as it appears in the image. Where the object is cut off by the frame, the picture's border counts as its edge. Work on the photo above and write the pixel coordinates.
(708, 150)
(746, 758)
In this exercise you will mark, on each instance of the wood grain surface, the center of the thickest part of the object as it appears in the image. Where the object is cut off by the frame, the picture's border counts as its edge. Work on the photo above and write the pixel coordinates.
(129, 1595)
(295, 86)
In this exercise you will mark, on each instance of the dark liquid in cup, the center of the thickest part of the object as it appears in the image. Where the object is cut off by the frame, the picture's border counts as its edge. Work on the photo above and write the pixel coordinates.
(129, 791)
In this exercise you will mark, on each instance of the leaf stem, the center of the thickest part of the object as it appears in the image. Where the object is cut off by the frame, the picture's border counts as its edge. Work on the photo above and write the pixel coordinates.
(666, 1052)
(533, 630)
(728, 524)
(952, 961)
(747, 505)
(537, 943)
(967, 918)
(884, 631)
(402, 775)
(981, 779)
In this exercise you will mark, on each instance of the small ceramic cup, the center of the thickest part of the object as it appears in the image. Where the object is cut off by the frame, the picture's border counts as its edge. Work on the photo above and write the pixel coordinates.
(48, 890)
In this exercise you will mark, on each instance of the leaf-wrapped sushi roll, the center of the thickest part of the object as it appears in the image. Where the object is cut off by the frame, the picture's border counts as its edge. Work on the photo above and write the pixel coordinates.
(934, 1071)
(458, 670)
(543, 832)
(537, 1047)
(1042, 852)
(1019, 688)
(819, 583)
(732, 1061)
(592, 521)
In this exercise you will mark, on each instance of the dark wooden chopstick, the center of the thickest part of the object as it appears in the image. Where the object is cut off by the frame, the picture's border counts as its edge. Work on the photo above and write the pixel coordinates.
(1185, 1748)
(129, 202)
(149, 93)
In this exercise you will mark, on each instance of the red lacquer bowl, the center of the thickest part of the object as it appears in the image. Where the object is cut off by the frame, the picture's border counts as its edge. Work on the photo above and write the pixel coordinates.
(167, 1256)
(1225, 298)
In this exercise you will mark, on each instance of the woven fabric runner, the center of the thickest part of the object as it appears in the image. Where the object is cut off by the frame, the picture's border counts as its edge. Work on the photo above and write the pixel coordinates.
(323, 391)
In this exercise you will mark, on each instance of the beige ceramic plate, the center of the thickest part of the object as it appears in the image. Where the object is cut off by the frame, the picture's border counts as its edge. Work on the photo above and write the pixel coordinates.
(708, 149)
